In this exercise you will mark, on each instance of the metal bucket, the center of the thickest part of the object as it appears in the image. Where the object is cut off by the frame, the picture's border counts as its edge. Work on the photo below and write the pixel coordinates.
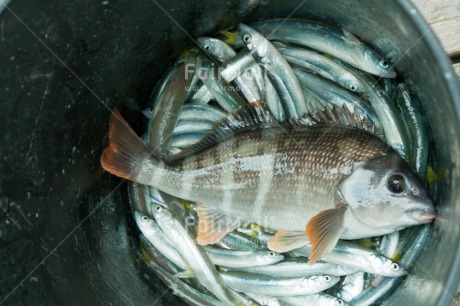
(66, 231)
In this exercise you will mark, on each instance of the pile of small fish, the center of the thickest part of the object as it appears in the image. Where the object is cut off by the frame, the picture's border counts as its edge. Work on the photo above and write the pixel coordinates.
(279, 75)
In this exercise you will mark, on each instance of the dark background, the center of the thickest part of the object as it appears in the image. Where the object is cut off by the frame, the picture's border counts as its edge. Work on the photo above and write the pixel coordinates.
(54, 129)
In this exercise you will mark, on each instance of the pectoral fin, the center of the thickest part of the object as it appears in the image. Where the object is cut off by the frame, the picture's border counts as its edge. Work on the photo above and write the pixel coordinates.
(213, 225)
(285, 241)
(323, 231)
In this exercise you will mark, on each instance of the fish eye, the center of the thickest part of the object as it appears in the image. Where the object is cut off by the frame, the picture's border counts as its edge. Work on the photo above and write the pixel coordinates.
(327, 278)
(396, 184)
(159, 208)
(272, 254)
(145, 218)
(394, 267)
(207, 47)
(384, 63)
(247, 38)
(353, 87)
(339, 302)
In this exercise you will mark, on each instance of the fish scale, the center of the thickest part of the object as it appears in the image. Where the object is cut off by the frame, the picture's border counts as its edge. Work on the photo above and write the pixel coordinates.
(292, 158)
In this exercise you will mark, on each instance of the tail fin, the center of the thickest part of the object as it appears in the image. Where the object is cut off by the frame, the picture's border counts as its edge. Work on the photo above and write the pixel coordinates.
(126, 152)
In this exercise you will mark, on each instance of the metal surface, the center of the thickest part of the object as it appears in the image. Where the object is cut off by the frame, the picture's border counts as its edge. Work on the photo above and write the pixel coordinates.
(53, 131)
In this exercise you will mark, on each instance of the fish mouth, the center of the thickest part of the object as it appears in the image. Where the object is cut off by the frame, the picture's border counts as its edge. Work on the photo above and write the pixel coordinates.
(421, 215)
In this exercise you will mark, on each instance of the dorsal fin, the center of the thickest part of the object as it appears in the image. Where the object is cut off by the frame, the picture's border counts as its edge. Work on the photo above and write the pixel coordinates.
(252, 116)
(256, 115)
(336, 116)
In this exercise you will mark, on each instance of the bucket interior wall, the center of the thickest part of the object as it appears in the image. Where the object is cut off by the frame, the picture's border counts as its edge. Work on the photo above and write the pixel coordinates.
(109, 54)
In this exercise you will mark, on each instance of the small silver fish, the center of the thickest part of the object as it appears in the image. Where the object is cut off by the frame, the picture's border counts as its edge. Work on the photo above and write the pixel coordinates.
(321, 65)
(201, 96)
(297, 267)
(227, 97)
(418, 130)
(237, 65)
(193, 126)
(351, 286)
(171, 97)
(195, 111)
(259, 284)
(356, 256)
(185, 140)
(241, 259)
(371, 295)
(337, 42)
(194, 255)
(239, 241)
(216, 48)
(155, 236)
(223, 52)
(387, 247)
(336, 95)
(183, 290)
(386, 110)
(279, 70)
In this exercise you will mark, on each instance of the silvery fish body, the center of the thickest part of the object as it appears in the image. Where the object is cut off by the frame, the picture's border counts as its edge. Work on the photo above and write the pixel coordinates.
(155, 236)
(358, 257)
(351, 286)
(298, 267)
(183, 290)
(195, 111)
(194, 256)
(222, 53)
(321, 65)
(336, 42)
(281, 74)
(261, 284)
(241, 259)
(319, 299)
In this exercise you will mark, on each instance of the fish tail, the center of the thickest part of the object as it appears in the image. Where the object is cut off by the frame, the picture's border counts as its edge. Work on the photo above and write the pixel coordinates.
(126, 152)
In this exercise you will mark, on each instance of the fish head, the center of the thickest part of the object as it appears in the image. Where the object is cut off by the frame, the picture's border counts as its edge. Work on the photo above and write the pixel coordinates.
(385, 194)
(211, 45)
(377, 64)
(330, 300)
(387, 267)
(268, 257)
(162, 215)
(145, 224)
(320, 282)
(254, 41)
(351, 82)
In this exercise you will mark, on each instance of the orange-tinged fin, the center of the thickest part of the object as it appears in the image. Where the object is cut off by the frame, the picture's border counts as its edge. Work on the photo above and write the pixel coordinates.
(285, 241)
(323, 231)
(213, 225)
(126, 152)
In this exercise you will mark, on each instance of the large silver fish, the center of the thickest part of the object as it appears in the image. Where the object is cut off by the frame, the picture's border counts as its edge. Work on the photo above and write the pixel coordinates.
(332, 181)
